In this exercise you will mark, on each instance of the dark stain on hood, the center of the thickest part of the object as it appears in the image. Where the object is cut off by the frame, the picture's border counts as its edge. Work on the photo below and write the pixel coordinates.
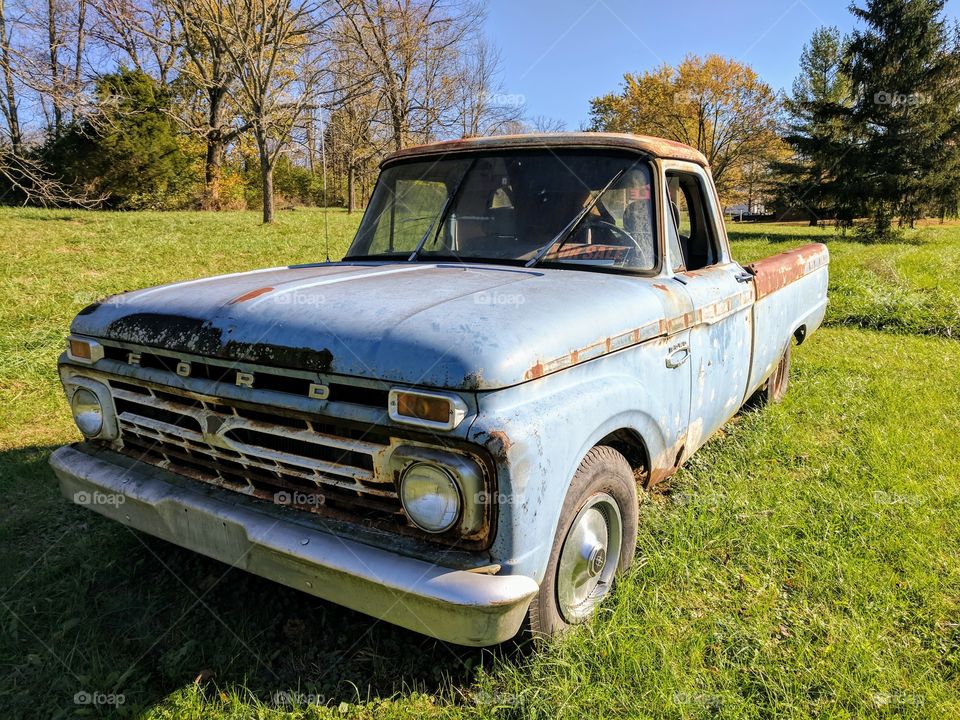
(200, 337)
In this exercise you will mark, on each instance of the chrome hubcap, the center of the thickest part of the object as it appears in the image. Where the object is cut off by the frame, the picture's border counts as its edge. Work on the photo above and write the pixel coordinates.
(589, 558)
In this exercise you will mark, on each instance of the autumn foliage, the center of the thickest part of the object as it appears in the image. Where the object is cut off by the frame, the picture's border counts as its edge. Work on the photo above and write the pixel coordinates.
(717, 105)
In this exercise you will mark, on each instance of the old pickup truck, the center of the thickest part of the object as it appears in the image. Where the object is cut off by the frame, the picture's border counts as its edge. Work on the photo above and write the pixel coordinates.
(447, 429)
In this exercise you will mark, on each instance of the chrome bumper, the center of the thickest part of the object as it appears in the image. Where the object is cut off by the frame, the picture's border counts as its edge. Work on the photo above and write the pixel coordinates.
(452, 605)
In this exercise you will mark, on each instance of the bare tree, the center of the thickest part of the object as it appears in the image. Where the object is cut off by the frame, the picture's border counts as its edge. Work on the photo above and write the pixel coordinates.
(11, 112)
(544, 124)
(210, 69)
(26, 177)
(78, 50)
(53, 48)
(275, 48)
(483, 108)
(355, 134)
(411, 49)
(143, 32)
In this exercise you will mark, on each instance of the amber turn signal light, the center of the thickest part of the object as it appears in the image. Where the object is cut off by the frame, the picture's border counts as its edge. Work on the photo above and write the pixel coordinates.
(80, 349)
(427, 409)
(83, 350)
(423, 407)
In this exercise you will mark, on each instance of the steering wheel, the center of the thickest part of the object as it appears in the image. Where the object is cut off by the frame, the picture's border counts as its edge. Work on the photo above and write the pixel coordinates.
(617, 231)
(635, 249)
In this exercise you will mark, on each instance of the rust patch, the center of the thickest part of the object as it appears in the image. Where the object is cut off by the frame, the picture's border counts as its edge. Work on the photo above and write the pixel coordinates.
(499, 444)
(596, 349)
(776, 272)
(250, 295)
(652, 146)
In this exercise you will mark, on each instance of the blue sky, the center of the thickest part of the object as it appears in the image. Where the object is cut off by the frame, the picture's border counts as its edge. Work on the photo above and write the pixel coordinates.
(558, 54)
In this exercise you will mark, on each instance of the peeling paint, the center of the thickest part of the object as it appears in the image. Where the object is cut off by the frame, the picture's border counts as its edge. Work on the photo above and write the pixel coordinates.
(778, 271)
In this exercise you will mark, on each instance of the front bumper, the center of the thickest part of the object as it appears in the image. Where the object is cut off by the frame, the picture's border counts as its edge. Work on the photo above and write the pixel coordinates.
(452, 605)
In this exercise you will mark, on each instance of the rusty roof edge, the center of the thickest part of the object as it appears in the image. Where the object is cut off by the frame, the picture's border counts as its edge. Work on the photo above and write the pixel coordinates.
(653, 146)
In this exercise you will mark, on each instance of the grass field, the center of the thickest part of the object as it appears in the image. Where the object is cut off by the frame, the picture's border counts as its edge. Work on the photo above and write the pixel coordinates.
(805, 563)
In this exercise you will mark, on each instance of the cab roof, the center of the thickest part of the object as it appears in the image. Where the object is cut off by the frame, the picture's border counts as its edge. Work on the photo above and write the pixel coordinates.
(644, 144)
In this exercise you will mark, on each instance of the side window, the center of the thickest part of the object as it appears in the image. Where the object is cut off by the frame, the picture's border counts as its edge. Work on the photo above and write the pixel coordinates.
(675, 224)
(691, 215)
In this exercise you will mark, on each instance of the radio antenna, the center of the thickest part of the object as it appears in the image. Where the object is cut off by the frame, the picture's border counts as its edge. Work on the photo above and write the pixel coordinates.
(326, 210)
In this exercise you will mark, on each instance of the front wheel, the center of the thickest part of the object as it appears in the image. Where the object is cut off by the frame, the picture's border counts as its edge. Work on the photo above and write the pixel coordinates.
(594, 543)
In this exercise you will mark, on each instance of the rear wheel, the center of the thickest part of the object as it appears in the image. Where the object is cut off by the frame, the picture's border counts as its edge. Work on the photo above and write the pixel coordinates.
(775, 388)
(595, 542)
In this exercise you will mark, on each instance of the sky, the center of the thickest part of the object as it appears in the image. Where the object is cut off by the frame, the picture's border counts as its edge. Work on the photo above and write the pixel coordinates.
(558, 54)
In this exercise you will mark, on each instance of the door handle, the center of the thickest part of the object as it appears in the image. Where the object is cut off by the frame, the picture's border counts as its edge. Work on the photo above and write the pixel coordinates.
(744, 276)
(678, 357)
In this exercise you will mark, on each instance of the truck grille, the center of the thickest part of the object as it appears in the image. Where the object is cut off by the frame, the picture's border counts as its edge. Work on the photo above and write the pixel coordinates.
(310, 464)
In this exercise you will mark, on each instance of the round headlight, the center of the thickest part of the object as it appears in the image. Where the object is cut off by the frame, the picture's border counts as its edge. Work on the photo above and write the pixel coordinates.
(430, 497)
(87, 412)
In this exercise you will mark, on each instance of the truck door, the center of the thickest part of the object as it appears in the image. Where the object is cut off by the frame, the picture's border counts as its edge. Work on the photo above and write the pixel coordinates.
(721, 325)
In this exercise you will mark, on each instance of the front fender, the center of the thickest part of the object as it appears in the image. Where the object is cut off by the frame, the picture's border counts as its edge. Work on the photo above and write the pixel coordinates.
(539, 432)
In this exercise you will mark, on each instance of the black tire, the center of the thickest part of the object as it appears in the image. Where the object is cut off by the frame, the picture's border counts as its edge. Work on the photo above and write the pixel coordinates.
(604, 474)
(774, 390)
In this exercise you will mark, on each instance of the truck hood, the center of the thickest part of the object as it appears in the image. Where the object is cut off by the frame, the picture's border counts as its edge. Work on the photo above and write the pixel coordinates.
(456, 326)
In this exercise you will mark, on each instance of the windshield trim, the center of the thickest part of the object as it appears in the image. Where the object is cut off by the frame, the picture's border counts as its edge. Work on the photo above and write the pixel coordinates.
(402, 258)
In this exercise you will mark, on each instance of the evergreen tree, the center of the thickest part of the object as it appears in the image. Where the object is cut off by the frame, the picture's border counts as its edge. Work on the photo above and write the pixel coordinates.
(905, 70)
(817, 132)
(128, 149)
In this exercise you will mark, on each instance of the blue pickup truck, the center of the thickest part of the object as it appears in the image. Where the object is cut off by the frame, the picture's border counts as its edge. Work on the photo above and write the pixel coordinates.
(448, 428)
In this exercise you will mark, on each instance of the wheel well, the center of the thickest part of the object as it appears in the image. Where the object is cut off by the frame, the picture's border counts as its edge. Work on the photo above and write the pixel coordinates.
(800, 334)
(628, 443)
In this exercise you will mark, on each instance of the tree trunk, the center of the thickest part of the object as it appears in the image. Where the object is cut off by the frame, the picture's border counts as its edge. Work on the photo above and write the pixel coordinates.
(212, 173)
(215, 150)
(10, 111)
(55, 90)
(351, 188)
(311, 144)
(266, 175)
(78, 59)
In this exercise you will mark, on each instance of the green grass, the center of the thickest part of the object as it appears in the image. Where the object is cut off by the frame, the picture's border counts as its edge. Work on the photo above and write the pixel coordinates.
(805, 563)
(911, 286)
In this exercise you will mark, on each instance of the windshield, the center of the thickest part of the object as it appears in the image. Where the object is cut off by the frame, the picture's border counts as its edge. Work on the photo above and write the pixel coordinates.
(568, 208)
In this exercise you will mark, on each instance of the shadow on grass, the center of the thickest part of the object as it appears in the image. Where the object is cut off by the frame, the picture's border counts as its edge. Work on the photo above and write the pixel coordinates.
(803, 234)
(89, 606)
(795, 235)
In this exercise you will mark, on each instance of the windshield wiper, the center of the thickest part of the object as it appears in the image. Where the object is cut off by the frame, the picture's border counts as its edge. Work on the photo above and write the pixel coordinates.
(562, 236)
(442, 217)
